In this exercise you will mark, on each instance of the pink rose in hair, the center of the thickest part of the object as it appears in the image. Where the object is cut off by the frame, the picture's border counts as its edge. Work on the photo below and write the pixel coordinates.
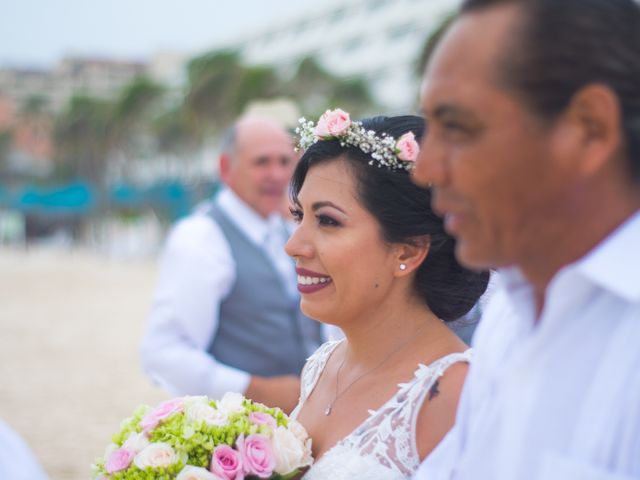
(332, 123)
(226, 463)
(407, 147)
(257, 455)
(119, 459)
(162, 411)
(260, 418)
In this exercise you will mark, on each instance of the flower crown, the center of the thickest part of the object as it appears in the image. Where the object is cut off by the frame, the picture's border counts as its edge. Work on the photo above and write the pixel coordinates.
(386, 151)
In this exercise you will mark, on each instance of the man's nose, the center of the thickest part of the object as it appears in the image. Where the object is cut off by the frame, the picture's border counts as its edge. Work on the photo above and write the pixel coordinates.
(431, 168)
(280, 171)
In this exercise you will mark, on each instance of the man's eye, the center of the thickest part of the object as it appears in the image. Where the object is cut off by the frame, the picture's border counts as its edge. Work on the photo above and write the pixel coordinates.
(454, 127)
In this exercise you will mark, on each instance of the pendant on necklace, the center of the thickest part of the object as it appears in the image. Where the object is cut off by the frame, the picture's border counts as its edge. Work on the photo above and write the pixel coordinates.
(327, 411)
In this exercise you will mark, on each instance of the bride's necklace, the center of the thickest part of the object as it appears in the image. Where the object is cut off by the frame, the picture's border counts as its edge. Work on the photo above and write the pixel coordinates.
(338, 394)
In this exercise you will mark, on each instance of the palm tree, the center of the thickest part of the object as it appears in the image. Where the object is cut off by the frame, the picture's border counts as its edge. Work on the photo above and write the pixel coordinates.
(82, 136)
(431, 42)
(131, 119)
(317, 89)
(210, 100)
(6, 139)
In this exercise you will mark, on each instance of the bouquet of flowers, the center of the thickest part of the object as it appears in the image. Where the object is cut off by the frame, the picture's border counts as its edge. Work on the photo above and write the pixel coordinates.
(195, 438)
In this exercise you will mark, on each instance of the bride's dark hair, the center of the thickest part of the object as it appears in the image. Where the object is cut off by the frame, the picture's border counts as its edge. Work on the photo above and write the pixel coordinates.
(404, 213)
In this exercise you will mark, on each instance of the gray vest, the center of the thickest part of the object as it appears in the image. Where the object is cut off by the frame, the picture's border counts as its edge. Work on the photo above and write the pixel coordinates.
(261, 329)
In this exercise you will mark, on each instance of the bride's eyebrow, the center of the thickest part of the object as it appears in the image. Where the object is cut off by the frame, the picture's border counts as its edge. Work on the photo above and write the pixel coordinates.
(326, 203)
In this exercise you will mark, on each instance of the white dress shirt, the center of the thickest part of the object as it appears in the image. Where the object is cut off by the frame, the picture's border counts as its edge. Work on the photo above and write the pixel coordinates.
(17, 461)
(560, 398)
(197, 272)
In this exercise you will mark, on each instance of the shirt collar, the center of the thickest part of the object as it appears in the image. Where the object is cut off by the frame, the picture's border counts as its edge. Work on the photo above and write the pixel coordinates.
(615, 262)
(254, 226)
(612, 265)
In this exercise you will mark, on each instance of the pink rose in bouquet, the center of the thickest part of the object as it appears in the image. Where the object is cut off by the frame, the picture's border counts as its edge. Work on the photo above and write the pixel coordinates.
(119, 459)
(162, 411)
(260, 418)
(257, 455)
(226, 463)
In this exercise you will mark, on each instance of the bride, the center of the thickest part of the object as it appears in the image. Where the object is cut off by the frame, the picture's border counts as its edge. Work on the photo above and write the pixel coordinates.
(374, 260)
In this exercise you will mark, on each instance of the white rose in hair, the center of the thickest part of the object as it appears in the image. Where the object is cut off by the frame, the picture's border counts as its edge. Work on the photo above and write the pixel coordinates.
(155, 455)
(201, 412)
(231, 403)
(196, 473)
(136, 442)
(290, 452)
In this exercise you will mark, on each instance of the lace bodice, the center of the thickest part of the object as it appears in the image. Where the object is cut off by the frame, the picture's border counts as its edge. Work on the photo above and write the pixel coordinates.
(384, 445)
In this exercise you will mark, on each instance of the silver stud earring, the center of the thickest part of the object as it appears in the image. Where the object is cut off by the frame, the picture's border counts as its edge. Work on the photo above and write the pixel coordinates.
(403, 266)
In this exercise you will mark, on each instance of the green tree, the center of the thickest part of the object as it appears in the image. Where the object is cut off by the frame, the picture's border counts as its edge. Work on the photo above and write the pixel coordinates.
(6, 140)
(210, 102)
(132, 114)
(82, 136)
(431, 42)
(316, 89)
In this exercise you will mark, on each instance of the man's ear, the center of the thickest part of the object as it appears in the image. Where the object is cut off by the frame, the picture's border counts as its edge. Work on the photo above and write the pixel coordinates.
(224, 163)
(411, 255)
(591, 128)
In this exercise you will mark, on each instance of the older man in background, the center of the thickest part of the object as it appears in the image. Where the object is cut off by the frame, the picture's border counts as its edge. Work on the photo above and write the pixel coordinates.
(533, 152)
(226, 316)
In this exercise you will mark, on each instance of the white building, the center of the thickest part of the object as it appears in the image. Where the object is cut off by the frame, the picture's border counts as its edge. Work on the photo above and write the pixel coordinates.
(103, 78)
(379, 40)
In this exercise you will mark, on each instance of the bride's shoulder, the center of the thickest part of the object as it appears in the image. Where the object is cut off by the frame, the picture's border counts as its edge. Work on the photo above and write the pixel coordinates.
(445, 379)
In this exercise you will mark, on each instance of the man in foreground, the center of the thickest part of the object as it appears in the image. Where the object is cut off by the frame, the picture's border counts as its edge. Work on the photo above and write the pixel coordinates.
(533, 152)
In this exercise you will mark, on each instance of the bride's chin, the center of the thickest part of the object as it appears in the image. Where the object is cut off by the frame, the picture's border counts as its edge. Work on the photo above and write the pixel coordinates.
(314, 312)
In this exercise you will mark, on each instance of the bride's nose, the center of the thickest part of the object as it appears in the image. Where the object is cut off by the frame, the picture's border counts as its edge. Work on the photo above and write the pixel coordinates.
(299, 244)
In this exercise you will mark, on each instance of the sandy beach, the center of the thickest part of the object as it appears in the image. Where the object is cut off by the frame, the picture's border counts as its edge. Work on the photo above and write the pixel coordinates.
(70, 325)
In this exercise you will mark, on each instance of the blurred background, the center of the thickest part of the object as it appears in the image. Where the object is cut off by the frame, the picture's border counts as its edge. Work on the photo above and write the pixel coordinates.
(110, 117)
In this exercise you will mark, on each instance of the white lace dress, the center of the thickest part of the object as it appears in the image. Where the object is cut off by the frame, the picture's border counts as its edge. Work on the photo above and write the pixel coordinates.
(383, 447)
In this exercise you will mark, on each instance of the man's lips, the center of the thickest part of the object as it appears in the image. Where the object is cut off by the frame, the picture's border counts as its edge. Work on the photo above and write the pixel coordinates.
(310, 281)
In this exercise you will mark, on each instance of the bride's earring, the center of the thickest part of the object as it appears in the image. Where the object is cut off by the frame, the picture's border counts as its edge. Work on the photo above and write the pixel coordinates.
(403, 266)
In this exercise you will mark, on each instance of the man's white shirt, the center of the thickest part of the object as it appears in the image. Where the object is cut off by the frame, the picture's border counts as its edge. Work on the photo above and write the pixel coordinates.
(560, 398)
(197, 272)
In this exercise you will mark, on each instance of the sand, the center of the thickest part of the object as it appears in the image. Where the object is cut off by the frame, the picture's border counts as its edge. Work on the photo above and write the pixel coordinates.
(70, 326)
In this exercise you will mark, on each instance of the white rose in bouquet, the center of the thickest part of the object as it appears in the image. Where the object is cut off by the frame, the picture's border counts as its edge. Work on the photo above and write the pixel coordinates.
(136, 442)
(291, 452)
(201, 412)
(231, 403)
(155, 455)
(196, 473)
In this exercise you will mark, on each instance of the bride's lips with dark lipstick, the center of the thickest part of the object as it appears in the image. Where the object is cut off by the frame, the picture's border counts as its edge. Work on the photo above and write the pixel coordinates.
(310, 281)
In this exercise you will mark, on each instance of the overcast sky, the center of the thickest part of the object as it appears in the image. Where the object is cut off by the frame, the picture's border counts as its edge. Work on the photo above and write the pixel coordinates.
(37, 33)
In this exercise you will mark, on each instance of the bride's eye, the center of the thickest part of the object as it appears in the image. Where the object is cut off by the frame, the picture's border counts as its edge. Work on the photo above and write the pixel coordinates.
(327, 221)
(296, 213)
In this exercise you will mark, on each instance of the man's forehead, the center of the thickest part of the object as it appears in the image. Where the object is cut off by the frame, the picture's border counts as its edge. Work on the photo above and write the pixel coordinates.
(470, 50)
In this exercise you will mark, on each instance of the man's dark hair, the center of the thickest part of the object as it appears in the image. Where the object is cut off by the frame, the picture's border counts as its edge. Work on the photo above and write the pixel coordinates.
(560, 46)
(403, 211)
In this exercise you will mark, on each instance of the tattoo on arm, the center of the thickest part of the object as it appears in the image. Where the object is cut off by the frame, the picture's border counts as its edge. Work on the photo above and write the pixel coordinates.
(433, 391)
